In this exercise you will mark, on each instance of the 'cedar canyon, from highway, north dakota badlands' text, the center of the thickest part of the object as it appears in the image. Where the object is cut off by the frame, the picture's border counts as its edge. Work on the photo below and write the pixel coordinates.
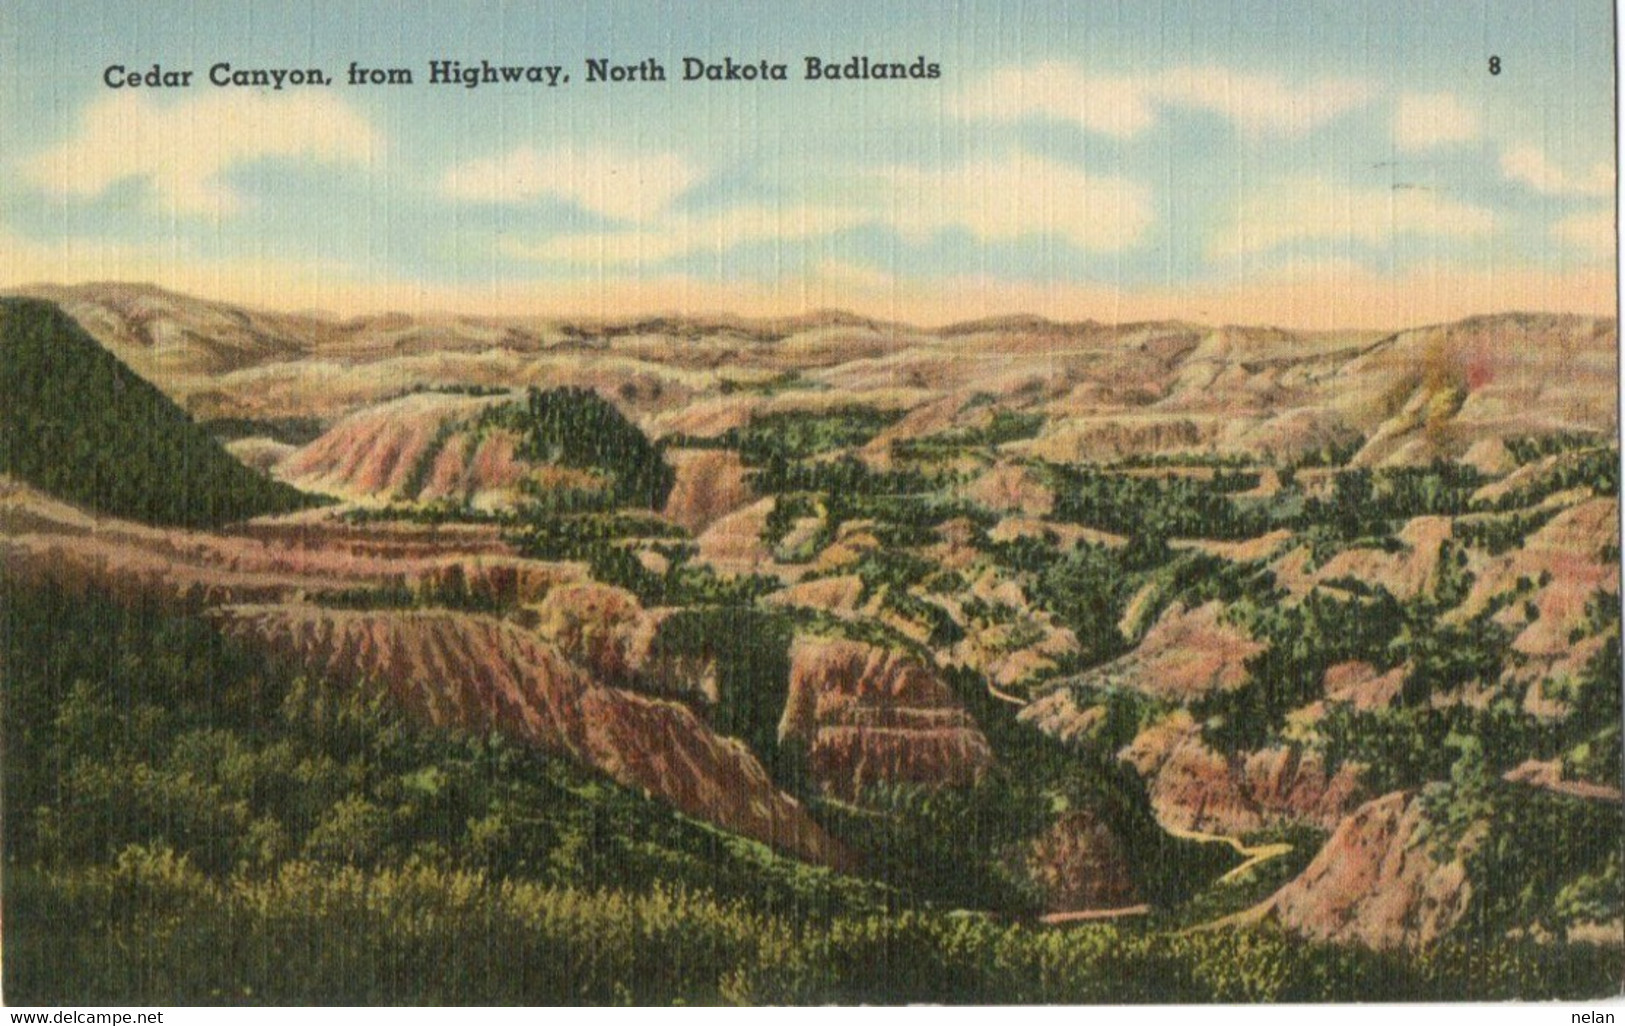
(472, 74)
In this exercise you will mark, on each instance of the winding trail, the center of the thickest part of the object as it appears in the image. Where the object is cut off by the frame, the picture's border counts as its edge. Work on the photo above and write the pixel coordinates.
(1093, 915)
(1005, 696)
(1061, 919)
(1251, 856)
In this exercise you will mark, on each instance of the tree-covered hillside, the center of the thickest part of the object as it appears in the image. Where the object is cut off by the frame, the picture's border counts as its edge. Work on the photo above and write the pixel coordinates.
(576, 427)
(77, 423)
(283, 840)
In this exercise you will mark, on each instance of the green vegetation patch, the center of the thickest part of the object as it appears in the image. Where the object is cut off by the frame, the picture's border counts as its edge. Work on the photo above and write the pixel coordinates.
(1496, 535)
(1529, 448)
(80, 425)
(1162, 507)
(578, 428)
(1248, 887)
(799, 434)
(155, 769)
(287, 430)
(751, 651)
(1303, 642)
(1005, 426)
(1538, 861)
(1594, 469)
(150, 930)
(1368, 503)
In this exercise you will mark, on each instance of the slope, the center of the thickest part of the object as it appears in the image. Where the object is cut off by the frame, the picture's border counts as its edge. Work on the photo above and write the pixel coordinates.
(79, 424)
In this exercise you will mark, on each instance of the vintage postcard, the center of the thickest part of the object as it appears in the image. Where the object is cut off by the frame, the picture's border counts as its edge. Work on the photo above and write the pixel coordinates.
(847, 502)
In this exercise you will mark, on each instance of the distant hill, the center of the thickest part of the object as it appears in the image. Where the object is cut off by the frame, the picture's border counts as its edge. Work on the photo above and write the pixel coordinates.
(1105, 391)
(77, 423)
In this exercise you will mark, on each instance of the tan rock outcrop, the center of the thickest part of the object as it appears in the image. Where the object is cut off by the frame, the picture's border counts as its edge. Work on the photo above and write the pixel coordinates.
(1193, 787)
(478, 673)
(1377, 883)
(1080, 864)
(593, 625)
(866, 715)
(1012, 488)
(1187, 653)
(710, 484)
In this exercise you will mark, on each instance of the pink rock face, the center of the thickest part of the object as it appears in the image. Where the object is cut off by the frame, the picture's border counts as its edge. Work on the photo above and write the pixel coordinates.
(1548, 775)
(1376, 883)
(372, 453)
(43, 539)
(473, 464)
(1194, 787)
(734, 543)
(1359, 684)
(866, 715)
(1011, 488)
(593, 624)
(1081, 865)
(1407, 573)
(710, 484)
(422, 448)
(1187, 654)
(479, 673)
(838, 595)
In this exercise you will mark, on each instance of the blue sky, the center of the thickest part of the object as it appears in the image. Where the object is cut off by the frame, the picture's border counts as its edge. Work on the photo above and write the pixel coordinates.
(1304, 163)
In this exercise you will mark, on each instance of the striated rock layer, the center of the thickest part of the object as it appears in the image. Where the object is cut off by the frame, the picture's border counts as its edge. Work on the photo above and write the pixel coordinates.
(710, 484)
(1376, 882)
(43, 539)
(866, 715)
(480, 673)
(420, 448)
(1193, 787)
(1187, 654)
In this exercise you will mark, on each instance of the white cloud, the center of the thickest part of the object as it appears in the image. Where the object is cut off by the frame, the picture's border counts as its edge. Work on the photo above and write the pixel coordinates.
(1593, 232)
(1531, 166)
(182, 149)
(1262, 105)
(1423, 120)
(1317, 210)
(1258, 105)
(622, 185)
(677, 236)
(1018, 195)
(1112, 105)
(1006, 198)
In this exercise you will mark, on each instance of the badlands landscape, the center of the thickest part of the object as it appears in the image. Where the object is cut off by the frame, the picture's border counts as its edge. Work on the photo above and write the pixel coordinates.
(438, 659)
